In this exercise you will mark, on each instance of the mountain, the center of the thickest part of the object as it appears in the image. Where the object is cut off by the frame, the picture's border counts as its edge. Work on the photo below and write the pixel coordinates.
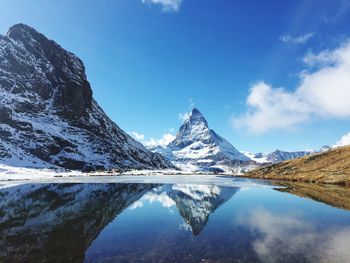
(331, 166)
(197, 147)
(279, 156)
(48, 114)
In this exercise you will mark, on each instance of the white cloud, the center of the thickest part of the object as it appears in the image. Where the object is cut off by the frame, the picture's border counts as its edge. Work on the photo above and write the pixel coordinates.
(344, 140)
(323, 92)
(184, 116)
(137, 136)
(296, 40)
(164, 141)
(167, 5)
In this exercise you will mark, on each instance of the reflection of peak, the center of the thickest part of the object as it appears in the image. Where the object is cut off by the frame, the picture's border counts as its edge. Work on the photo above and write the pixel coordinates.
(197, 202)
(57, 222)
(194, 202)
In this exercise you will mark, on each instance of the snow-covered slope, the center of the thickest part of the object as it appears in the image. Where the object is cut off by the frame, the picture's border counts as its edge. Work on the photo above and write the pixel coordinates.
(257, 157)
(197, 147)
(48, 116)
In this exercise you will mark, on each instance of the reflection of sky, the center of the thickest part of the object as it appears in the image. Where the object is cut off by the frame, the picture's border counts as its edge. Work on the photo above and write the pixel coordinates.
(270, 225)
(290, 234)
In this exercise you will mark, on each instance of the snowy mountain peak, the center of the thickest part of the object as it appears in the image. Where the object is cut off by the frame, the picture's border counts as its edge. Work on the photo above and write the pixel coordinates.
(197, 146)
(195, 128)
(21, 32)
(197, 118)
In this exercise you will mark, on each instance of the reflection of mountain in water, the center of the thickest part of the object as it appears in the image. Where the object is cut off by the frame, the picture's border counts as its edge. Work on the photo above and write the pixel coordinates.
(57, 222)
(196, 202)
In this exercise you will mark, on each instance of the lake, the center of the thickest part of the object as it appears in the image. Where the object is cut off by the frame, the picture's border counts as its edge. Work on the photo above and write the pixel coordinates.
(173, 219)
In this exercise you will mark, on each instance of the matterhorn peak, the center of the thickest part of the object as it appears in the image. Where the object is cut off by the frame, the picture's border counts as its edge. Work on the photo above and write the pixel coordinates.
(197, 145)
(195, 118)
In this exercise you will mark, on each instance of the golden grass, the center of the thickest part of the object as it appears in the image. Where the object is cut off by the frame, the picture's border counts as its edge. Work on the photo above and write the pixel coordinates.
(329, 167)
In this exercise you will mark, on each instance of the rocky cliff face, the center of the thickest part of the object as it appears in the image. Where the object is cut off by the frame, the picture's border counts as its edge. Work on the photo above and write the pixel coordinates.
(48, 115)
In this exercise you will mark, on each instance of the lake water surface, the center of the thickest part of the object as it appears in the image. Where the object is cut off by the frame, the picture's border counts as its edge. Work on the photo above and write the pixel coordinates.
(224, 220)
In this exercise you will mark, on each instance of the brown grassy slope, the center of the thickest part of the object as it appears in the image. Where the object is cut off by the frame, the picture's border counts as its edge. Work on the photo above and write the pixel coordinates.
(329, 167)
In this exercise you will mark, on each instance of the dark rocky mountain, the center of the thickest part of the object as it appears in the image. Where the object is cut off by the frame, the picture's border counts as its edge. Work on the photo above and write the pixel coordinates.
(48, 115)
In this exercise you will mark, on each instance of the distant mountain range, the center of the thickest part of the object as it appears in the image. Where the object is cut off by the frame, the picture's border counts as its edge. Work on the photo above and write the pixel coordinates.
(330, 166)
(276, 156)
(48, 116)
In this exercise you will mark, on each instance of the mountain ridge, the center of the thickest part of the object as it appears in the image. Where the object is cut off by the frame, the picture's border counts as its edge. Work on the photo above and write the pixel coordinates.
(48, 113)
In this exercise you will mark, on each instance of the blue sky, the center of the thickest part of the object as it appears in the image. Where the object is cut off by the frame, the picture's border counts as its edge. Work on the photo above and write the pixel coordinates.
(253, 68)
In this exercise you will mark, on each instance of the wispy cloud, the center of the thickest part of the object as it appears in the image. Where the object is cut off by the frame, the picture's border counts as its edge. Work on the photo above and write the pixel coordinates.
(163, 141)
(344, 140)
(137, 136)
(166, 5)
(185, 115)
(323, 92)
(297, 39)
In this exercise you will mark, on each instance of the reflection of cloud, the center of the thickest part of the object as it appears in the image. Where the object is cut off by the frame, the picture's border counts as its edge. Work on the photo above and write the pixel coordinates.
(286, 236)
(151, 197)
(162, 198)
(338, 247)
(185, 227)
(136, 204)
